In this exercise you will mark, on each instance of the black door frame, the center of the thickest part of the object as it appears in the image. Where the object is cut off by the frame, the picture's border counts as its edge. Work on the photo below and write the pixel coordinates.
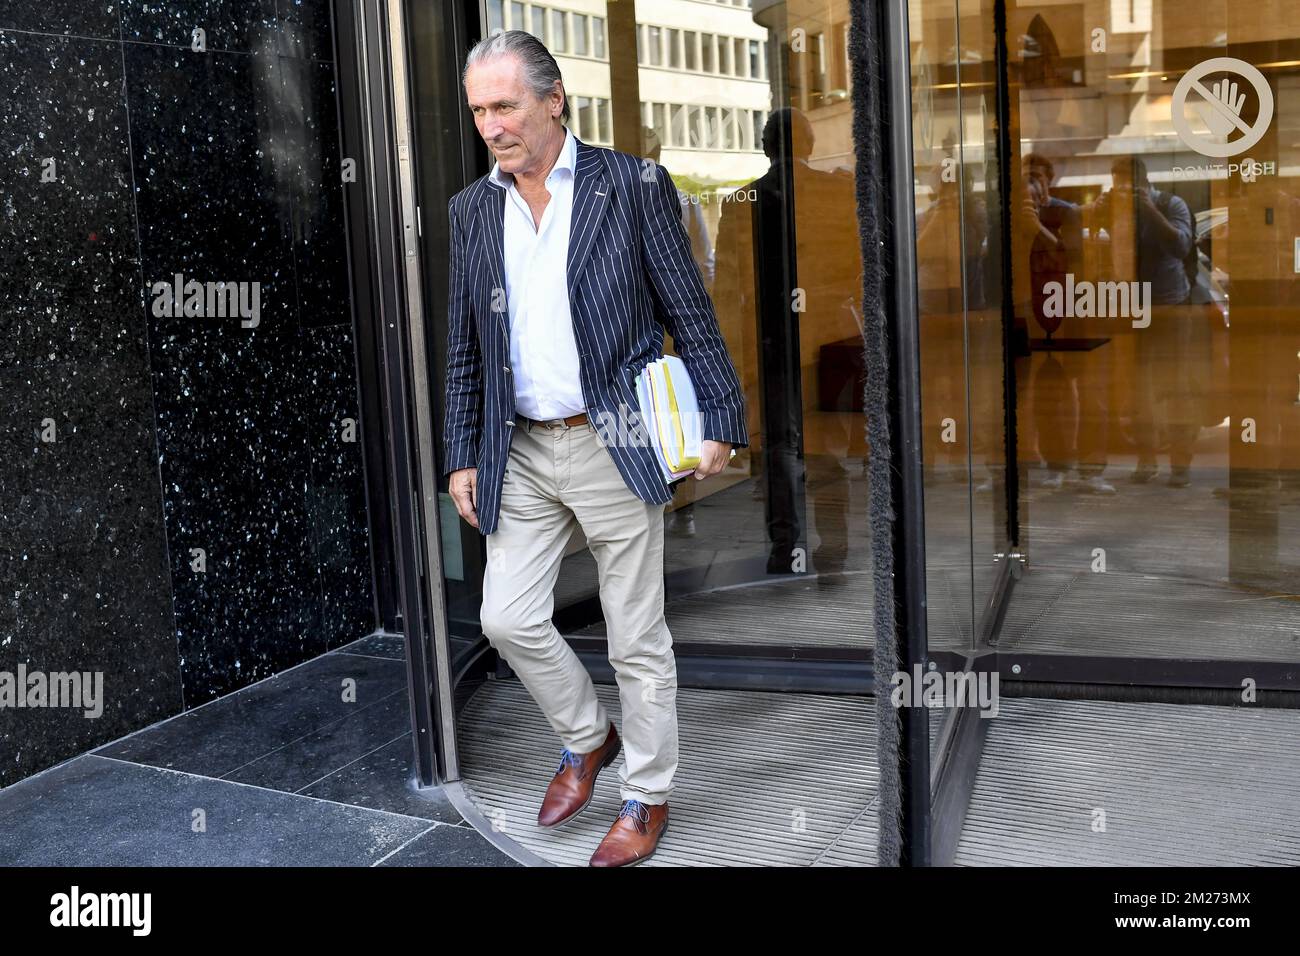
(402, 465)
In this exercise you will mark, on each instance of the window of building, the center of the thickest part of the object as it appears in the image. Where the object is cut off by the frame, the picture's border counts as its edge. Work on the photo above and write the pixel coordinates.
(842, 57)
(817, 81)
(538, 16)
(681, 133)
(706, 53)
(659, 122)
(559, 32)
(729, 129)
(690, 39)
(739, 60)
(755, 61)
(695, 126)
(654, 45)
(606, 121)
(759, 120)
(580, 45)
(581, 109)
(598, 37)
(674, 48)
(517, 21)
(496, 16)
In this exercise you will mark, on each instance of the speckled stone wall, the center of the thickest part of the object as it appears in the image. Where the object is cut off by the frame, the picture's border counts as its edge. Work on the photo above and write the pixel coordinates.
(182, 502)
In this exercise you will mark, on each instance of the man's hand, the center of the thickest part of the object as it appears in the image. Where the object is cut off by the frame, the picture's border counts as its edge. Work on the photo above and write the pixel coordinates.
(463, 487)
(713, 458)
(1146, 205)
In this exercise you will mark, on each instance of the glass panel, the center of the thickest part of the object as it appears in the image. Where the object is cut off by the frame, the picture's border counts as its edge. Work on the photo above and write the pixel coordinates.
(495, 15)
(1155, 170)
(952, 235)
(517, 21)
(598, 37)
(538, 16)
(948, 231)
(774, 235)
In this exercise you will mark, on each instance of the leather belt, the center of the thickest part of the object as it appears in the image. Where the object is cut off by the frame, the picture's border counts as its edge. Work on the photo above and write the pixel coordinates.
(578, 419)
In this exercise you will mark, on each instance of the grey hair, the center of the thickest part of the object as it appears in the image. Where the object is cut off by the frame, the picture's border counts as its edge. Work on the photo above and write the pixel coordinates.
(540, 69)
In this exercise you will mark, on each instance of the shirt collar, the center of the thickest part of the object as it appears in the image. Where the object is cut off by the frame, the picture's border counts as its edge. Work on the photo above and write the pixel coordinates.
(568, 159)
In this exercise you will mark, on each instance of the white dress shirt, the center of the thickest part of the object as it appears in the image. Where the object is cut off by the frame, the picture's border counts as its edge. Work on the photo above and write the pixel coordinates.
(543, 350)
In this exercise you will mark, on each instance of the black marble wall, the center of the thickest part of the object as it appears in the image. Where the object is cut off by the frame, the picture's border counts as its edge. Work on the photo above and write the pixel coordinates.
(182, 502)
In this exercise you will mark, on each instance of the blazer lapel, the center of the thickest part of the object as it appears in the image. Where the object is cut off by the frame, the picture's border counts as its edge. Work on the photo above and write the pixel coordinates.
(491, 215)
(591, 187)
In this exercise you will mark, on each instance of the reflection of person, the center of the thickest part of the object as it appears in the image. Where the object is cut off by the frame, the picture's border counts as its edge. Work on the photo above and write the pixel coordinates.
(1153, 240)
(579, 331)
(692, 213)
(1070, 390)
(788, 273)
(1055, 228)
(683, 519)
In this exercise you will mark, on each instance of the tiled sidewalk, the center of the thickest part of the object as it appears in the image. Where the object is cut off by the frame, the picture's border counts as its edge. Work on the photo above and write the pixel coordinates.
(282, 773)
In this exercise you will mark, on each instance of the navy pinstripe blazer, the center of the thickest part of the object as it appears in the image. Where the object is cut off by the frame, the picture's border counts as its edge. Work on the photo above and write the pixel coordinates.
(629, 270)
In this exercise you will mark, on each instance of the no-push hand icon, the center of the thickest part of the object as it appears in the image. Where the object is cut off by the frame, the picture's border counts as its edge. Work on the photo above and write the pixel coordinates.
(1220, 107)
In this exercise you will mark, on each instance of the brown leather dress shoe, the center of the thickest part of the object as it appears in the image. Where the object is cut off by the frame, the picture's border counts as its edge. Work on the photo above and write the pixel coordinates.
(571, 788)
(634, 836)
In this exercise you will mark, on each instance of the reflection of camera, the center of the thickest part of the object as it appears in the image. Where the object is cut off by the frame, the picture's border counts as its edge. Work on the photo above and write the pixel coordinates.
(1038, 192)
(1119, 200)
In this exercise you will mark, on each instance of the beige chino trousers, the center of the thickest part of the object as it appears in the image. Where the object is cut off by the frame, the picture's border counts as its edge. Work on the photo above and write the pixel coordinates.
(555, 477)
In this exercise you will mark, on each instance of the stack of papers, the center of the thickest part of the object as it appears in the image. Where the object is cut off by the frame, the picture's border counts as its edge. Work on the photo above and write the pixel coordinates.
(671, 416)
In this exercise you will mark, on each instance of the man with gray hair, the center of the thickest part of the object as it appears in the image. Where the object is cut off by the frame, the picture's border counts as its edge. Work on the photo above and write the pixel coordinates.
(567, 264)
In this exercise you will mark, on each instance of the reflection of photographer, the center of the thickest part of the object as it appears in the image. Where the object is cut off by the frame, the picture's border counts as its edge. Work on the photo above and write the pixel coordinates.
(1173, 355)
(1160, 226)
(1053, 228)
(1070, 390)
